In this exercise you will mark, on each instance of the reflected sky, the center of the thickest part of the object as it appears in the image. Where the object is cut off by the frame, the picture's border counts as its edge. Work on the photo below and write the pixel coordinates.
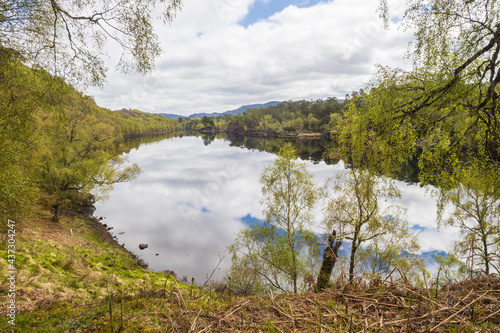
(190, 200)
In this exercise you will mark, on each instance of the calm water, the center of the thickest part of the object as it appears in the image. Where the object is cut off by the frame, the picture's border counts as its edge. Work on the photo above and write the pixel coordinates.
(194, 194)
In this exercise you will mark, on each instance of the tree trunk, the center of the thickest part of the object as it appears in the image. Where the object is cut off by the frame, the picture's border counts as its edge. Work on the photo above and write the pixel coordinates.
(294, 282)
(486, 256)
(353, 256)
(329, 260)
(57, 212)
(294, 274)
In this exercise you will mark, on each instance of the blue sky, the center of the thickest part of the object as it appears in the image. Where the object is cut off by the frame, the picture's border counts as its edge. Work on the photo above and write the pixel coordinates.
(221, 54)
(261, 10)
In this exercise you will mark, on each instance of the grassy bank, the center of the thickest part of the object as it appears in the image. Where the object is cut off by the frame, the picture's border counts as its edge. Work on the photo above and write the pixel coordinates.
(66, 272)
(73, 277)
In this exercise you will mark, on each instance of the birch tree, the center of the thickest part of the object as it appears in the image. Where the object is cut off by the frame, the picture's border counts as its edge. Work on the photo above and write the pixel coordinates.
(475, 210)
(355, 214)
(67, 37)
(77, 151)
(277, 249)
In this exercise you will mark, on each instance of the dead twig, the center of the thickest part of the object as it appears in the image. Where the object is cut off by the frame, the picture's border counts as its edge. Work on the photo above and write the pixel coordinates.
(456, 313)
(214, 270)
(491, 315)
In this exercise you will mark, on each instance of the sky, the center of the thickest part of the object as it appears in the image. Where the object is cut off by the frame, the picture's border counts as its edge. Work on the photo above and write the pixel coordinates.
(221, 54)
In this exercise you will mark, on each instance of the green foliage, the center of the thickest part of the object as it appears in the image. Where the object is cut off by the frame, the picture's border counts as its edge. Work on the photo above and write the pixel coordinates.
(450, 270)
(135, 123)
(446, 108)
(20, 94)
(354, 212)
(368, 137)
(398, 249)
(67, 38)
(77, 147)
(287, 117)
(312, 150)
(58, 141)
(244, 271)
(445, 112)
(475, 210)
(289, 197)
(207, 121)
(288, 190)
(262, 259)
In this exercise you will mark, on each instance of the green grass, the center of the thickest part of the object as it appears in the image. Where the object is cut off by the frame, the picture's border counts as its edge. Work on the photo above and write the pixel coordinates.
(86, 282)
(66, 270)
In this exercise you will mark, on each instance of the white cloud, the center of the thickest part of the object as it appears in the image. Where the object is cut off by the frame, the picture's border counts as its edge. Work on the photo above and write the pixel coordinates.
(212, 64)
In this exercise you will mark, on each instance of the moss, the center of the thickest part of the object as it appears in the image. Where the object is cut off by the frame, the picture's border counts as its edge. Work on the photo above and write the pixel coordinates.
(55, 265)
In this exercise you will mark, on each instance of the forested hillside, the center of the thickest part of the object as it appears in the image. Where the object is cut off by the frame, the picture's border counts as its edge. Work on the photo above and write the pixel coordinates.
(56, 141)
(137, 123)
(290, 118)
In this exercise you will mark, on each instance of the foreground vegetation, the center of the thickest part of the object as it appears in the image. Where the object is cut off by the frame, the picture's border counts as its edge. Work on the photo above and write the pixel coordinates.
(68, 272)
(57, 145)
(73, 277)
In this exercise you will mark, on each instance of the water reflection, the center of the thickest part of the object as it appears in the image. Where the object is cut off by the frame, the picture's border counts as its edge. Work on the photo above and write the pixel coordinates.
(312, 150)
(195, 193)
(309, 150)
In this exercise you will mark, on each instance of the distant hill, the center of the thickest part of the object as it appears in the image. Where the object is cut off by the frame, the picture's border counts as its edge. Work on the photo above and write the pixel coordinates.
(241, 109)
(132, 113)
(171, 115)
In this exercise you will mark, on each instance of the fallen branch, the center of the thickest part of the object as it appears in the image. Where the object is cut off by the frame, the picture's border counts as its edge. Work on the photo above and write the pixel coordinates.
(456, 313)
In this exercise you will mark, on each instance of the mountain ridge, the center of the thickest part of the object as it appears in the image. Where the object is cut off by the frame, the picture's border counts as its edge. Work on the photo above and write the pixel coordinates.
(239, 110)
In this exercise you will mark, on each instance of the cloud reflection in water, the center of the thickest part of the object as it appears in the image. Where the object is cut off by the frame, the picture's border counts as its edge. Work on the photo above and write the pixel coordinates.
(190, 200)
